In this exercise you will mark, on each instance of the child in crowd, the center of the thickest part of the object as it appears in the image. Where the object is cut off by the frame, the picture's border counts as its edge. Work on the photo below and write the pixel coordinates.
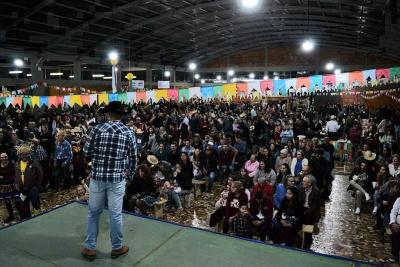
(241, 223)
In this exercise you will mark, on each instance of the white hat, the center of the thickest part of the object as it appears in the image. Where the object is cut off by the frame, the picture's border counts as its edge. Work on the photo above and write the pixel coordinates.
(333, 117)
(210, 143)
(284, 151)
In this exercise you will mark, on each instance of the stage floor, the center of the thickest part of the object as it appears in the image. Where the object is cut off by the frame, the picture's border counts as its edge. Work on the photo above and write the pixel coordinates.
(55, 239)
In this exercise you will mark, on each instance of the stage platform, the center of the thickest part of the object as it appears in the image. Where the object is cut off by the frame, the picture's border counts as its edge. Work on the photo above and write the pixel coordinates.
(55, 239)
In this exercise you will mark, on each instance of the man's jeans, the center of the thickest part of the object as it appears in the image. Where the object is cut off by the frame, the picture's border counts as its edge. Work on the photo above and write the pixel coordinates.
(98, 193)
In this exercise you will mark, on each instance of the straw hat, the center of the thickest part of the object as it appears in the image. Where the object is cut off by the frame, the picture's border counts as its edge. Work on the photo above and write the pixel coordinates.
(368, 155)
(333, 117)
(139, 131)
(76, 130)
(301, 137)
(243, 115)
(24, 149)
(153, 160)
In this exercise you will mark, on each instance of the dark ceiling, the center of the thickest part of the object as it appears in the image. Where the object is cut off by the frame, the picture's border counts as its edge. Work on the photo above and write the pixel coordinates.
(175, 31)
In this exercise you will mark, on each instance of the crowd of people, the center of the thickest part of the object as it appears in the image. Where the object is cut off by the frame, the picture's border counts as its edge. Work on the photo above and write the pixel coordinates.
(275, 161)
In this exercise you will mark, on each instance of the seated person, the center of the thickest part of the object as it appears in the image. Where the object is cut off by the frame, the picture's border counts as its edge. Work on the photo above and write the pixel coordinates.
(251, 166)
(264, 187)
(236, 198)
(261, 209)
(241, 223)
(361, 183)
(280, 192)
(288, 220)
(141, 191)
(387, 200)
(83, 195)
(394, 224)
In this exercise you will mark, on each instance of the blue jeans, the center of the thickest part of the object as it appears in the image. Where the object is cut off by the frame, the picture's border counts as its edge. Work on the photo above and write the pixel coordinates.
(100, 193)
(211, 179)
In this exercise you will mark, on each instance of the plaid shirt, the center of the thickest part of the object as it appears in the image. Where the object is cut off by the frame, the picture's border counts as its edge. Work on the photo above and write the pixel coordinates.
(241, 225)
(64, 152)
(39, 153)
(112, 149)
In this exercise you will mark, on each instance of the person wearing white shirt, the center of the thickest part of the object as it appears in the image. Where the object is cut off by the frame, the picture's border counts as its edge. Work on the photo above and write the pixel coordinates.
(332, 127)
(395, 226)
(394, 167)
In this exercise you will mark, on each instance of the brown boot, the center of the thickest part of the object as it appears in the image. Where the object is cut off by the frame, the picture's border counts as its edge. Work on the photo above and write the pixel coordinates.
(89, 254)
(118, 252)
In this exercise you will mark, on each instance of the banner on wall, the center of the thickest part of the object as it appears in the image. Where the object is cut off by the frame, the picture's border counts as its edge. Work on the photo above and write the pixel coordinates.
(138, 84)
(163, 84)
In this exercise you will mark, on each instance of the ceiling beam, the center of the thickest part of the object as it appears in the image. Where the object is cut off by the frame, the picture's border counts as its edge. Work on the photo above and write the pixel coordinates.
(26, 15)
(96, 17)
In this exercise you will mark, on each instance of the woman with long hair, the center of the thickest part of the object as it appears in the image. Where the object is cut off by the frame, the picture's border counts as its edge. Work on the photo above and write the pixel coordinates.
(288, 220)
(284, 171)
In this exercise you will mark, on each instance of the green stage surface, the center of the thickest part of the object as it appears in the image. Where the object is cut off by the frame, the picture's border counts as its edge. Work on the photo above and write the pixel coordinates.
(55, 239)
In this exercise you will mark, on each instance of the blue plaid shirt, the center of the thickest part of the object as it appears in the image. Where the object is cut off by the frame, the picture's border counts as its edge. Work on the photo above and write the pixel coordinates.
(112, 149)
(64, 152)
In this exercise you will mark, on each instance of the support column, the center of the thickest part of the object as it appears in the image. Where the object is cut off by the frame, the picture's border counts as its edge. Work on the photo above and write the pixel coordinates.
(266, 61)
(119, 78)
(77, 73)
(173, 73)
(36, 68)
(37, 75)
(149, 78)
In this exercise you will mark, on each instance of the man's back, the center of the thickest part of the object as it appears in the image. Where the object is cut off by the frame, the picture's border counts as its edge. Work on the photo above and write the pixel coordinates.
(111, 147)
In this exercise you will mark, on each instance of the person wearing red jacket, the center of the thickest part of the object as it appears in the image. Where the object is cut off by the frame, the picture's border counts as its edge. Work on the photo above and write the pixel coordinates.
(263, 187)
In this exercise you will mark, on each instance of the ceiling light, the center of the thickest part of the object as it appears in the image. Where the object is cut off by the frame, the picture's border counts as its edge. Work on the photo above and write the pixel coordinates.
(56, 73)
(337, 71)
(71, 76)
(231, 72)
(276, 78)
(113, 55)
(98, 75)
(107, 77)
(234, 80)
(15, 71)
(219, 77)
(252, 75)
(18, 62)
(192, 66)
(29, 75)
(197, 76)
(266, 77)
(250, 3)
(167, 73)
(330, 66)
(202, 81)
(308, 45)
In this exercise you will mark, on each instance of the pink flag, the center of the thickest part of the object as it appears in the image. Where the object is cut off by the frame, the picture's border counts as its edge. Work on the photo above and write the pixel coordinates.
(85, 100)
(303, 81)
(356, 78)
(382, 72)
(141, 96)
(329, 79)
(267, 85)
(173, 94)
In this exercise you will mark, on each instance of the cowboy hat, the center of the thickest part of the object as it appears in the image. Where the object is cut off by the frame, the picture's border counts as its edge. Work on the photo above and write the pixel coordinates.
(139, 131)
(113, 107)
(368, 155)
(24, 149)
(333, 117)
(243, 115)
(301, 137)
(153, 160)
(35, 140)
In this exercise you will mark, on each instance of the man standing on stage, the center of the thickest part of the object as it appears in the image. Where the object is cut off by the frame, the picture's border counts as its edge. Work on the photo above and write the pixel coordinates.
(111, 146)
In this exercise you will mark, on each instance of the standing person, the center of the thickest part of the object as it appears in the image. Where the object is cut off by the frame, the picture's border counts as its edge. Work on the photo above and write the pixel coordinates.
(111, 146)
(62, 160)
(7, 173)
(28, 176)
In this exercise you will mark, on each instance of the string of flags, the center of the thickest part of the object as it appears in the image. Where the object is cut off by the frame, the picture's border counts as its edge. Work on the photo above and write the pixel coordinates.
(226, 92)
